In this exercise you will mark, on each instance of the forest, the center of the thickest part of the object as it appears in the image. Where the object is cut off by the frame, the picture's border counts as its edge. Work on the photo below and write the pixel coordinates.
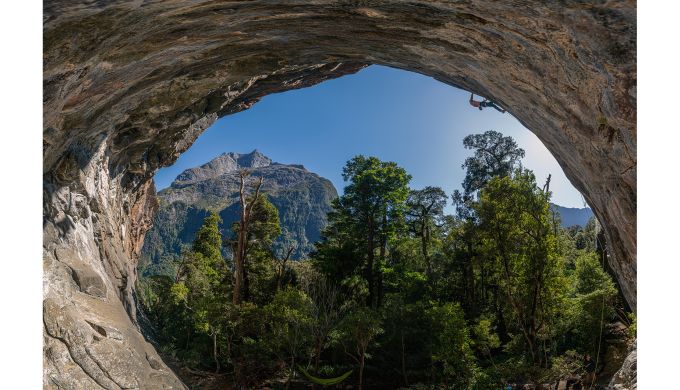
(398, 293)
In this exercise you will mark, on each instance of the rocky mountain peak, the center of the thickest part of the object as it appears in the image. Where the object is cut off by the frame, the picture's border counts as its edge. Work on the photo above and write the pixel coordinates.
(254, 159)
(224, 163)
(302, 198)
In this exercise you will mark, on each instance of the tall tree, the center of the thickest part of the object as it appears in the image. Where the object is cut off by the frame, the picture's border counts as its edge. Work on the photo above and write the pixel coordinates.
(326, 312)
(425, 209)
(255, 233)
(494, 155)
(359, 329)
(290, 325)
(200, 283)
(240, 253)
(519, 241)
(368, 214)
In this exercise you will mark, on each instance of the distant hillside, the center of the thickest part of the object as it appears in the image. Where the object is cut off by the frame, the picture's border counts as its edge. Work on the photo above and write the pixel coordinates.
(571, 216)
(302, 198)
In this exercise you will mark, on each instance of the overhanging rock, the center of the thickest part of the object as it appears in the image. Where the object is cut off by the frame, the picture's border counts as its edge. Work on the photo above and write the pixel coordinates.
(129, 85)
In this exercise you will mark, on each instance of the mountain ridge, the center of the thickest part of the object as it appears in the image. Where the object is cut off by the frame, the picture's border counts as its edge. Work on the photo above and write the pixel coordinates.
(303, 199)
(570, 216)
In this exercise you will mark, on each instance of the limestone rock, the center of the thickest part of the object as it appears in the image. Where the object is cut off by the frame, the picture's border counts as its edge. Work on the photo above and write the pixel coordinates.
(89, 281)
(626, 377)
(129, 85)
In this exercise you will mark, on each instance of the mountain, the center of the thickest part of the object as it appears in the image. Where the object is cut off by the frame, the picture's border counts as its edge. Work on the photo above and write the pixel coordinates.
(302, 198)
(571, 216)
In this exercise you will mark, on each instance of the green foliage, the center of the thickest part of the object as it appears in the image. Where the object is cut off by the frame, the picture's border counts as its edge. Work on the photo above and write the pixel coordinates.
(208, 241)
(264, 224)
(290, 324)
(485, 337)
(359, 329)
(398, 294)
(593, 296)
(564, 365)
(246, 339)
(364, 220)
(632, 329)
(451, 354)
(263, 229)
(494, 156)
(518, 239)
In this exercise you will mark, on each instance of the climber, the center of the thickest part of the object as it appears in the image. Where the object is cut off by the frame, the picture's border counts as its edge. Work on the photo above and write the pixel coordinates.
(485, 103)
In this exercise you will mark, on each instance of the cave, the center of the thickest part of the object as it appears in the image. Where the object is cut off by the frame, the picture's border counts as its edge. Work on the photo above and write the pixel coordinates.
(128, 86)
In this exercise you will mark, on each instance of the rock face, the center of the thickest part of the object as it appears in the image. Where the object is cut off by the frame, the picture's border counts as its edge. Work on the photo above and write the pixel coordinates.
(223, 164)
(302, 198)
(129, 85)
(626, 377)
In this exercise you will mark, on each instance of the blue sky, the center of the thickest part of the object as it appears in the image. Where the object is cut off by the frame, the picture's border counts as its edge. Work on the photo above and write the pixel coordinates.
(392, 114)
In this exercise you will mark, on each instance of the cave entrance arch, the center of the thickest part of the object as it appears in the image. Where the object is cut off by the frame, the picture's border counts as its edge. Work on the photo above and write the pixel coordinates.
(128, 86)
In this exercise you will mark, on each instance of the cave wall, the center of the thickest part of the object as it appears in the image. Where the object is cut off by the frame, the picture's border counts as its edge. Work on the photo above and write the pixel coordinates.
(129, 85)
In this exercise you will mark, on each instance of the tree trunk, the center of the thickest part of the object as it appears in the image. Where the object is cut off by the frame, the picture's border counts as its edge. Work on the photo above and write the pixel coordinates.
(217, 361)
(403, 360)
(369, 263)
(424, 239)
(470, 279)
(292, 371)
(317, 356)
(383, 250)
(246, 284)
(282, 270)
(238, 261)
(361, 371)
(242, 240)
(317, 359)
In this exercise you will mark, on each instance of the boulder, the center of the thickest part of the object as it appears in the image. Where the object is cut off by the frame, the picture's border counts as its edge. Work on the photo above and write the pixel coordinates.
(626, 377)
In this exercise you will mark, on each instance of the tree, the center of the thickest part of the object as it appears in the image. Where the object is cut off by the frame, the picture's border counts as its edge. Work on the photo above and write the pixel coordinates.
(200, 282)
(519, 241)
(242, 231)
(259, 271)
(255, 231)
(368, 214)
(326, 312)
(494, 155)
(593, 297)
(485, 339)
(247, 343)
(425, 208)
(291, 322)
(359, 329)
(450, 345)
(496, 292)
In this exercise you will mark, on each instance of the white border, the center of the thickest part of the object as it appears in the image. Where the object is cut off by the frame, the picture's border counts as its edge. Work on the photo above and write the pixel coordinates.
(21, 195)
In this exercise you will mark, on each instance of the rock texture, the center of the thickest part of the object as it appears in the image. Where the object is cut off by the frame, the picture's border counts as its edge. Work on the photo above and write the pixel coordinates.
(129, 85)
(626, 377)
(302, 198)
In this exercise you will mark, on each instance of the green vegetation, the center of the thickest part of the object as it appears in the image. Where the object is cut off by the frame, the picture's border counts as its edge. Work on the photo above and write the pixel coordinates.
(397, 294)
